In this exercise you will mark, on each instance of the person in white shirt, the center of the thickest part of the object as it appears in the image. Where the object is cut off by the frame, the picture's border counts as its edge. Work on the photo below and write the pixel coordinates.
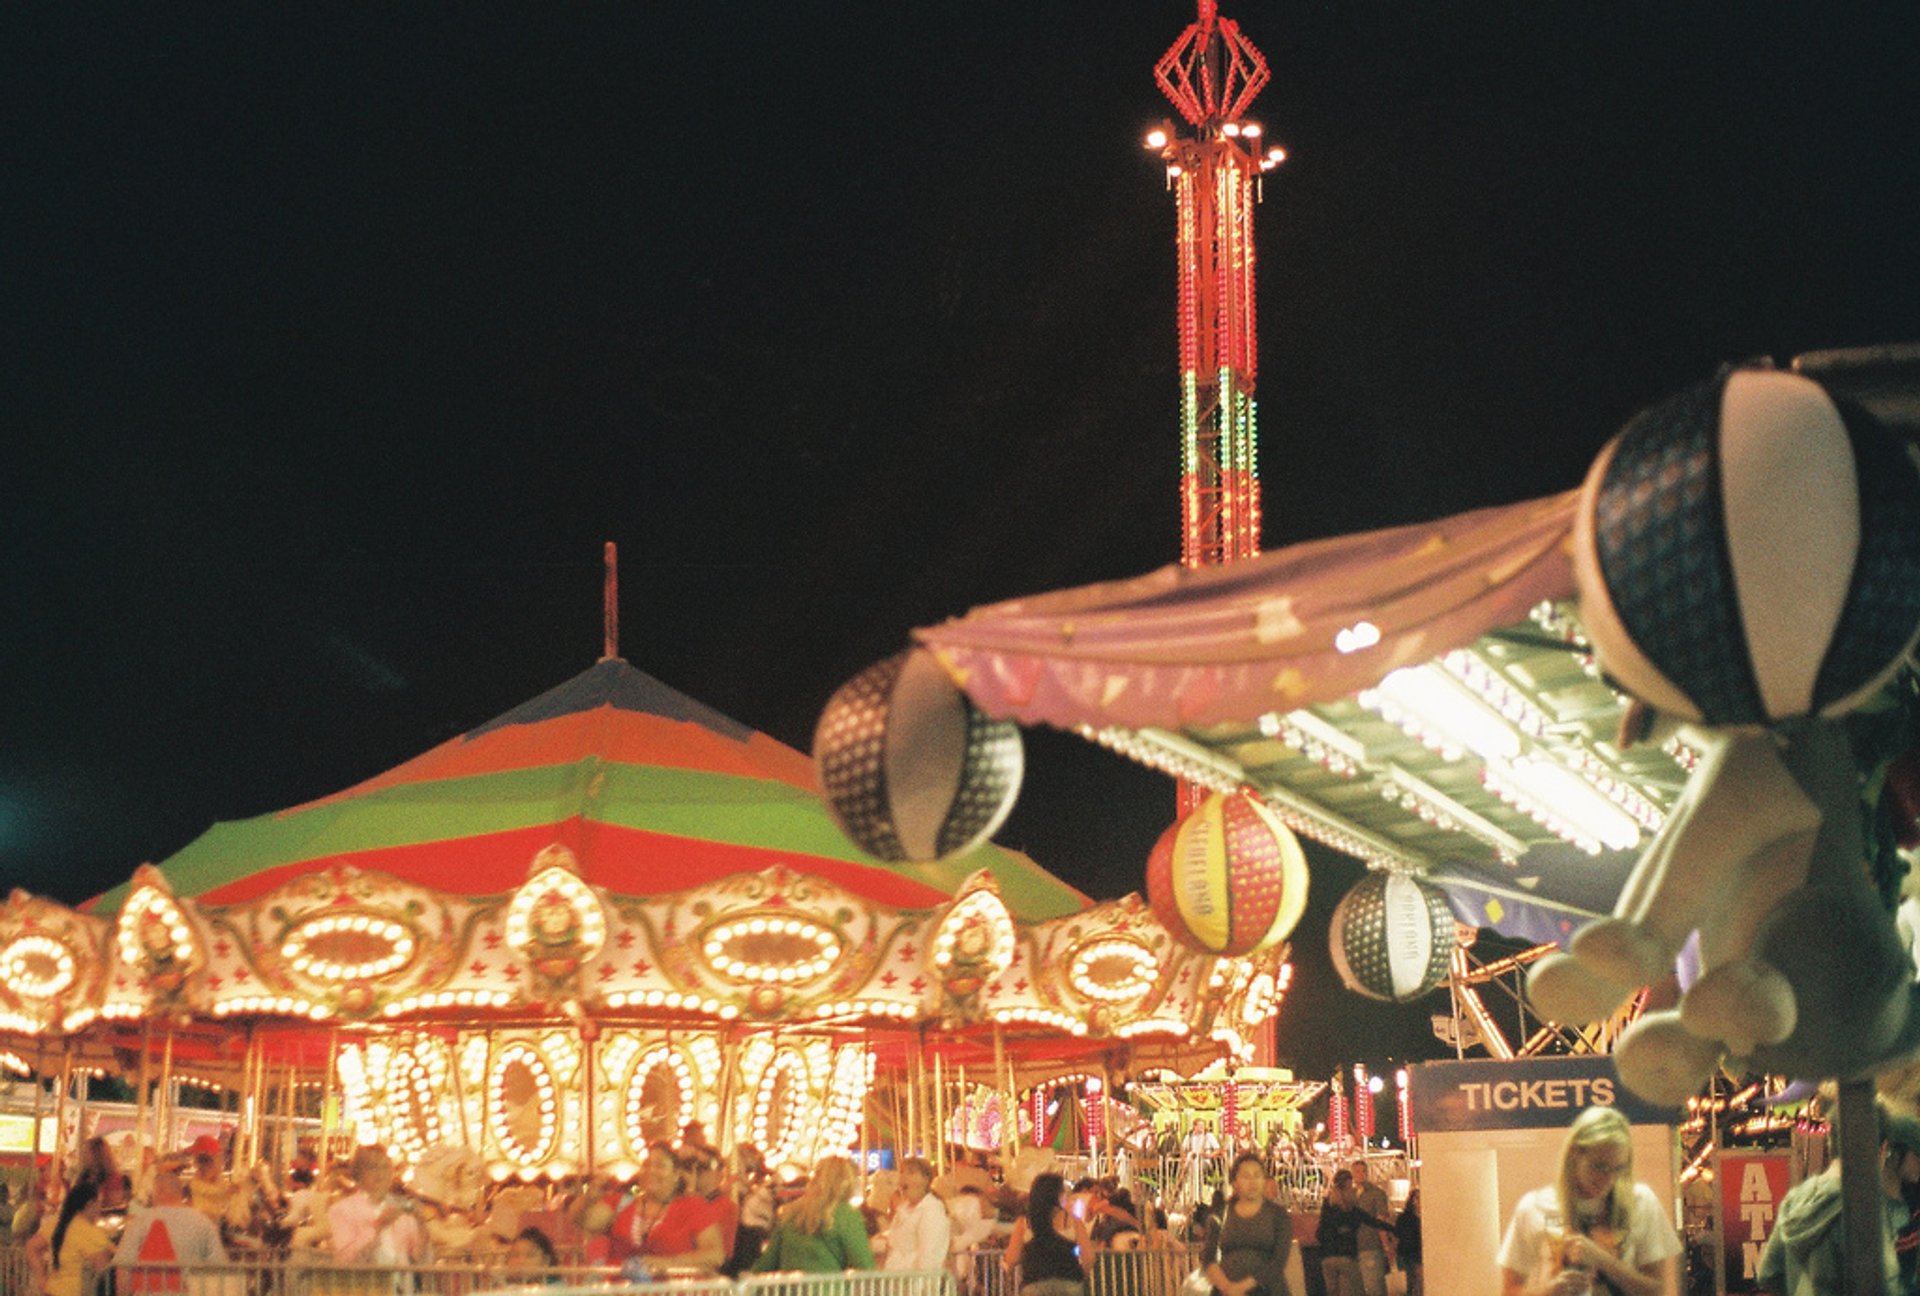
(1595, 1230)
(917, 1238)
(165, 1234)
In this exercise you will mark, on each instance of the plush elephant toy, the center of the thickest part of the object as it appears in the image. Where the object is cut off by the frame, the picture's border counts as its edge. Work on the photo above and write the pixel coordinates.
(1748, 560)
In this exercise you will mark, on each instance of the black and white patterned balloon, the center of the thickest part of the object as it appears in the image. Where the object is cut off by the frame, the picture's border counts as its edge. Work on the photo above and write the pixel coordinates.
(1392, 937)
(1749, 551)
(911, 769)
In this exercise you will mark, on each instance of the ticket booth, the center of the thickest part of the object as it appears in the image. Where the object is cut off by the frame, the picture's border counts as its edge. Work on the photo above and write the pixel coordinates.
(1490, 1132)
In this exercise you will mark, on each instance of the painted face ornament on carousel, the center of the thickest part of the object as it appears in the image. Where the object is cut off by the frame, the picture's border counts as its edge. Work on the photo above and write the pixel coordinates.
(1748, 560)
(911, 769)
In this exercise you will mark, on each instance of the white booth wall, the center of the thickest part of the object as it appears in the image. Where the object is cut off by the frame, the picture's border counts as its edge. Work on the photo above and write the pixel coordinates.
(1470, 1178)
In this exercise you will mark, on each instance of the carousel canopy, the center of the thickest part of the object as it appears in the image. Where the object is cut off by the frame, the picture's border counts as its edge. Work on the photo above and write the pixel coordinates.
(611, 861)
(649, 789)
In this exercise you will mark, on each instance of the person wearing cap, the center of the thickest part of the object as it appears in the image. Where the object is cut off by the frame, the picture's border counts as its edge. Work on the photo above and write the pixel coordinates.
(1806, 1253)
(209, 1190)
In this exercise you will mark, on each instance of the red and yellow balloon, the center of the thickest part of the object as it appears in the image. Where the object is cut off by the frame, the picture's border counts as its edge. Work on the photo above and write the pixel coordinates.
(1230, 878)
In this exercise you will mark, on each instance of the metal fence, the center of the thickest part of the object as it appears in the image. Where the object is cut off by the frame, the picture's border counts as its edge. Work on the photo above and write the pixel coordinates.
(1145, 1271)
(298, 1278)
(16, 1278)
(1148, 1271)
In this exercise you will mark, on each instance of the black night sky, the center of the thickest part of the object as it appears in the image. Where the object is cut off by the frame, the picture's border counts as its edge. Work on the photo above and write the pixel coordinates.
(338, 337)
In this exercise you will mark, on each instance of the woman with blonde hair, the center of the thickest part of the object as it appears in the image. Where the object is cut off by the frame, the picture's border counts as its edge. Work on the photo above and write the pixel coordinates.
(1594, 1229)
(820, 1231)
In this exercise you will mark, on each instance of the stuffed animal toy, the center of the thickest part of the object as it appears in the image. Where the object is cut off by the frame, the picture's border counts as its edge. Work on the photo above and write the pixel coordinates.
(1748, 560)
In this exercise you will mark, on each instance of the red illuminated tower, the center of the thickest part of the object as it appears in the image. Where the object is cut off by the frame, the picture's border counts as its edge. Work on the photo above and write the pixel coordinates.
(1212, 74)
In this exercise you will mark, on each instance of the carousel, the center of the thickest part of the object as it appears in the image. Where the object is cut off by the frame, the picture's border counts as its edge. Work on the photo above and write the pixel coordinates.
(585, 925)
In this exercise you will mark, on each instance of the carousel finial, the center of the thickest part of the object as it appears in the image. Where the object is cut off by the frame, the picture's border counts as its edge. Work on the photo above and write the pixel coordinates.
(610, 605)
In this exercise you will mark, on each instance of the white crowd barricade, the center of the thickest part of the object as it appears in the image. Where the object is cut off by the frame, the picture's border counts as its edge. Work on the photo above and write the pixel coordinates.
(16, 1275)
(308, 1277)
(311, 1276)
(1141, 1271)
(1147, 1271)
(866, 1282)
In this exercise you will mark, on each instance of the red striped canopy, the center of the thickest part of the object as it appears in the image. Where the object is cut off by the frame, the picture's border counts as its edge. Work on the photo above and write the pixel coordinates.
(652, 791)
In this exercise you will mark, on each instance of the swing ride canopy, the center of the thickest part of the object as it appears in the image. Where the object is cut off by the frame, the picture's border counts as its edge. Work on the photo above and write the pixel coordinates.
(1421, 698)
(610, 900)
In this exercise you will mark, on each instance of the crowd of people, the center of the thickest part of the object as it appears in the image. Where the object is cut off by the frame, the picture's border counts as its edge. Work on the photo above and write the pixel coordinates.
(688, 1210)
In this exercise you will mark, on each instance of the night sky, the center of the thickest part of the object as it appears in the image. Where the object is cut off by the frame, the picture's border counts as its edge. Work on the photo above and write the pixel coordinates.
(338, 338)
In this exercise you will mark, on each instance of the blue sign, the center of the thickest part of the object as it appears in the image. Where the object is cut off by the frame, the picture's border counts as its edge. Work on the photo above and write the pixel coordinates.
(1526, 1093)
(879, 1159)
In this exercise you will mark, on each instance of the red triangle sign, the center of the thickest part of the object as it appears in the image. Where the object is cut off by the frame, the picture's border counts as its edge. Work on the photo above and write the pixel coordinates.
(157, 1246)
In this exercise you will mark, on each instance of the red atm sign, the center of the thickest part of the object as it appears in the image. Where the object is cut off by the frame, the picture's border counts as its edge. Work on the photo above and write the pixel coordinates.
(1751, 1186)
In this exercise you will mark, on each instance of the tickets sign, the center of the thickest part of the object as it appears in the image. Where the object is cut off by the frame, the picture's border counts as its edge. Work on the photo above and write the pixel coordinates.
(1530, 1093)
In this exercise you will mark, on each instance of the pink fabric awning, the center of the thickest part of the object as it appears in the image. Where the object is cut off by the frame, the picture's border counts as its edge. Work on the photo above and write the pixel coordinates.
(1177, 647)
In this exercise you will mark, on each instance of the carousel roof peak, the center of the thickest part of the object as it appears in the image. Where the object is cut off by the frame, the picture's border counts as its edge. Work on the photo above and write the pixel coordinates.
(614, 682)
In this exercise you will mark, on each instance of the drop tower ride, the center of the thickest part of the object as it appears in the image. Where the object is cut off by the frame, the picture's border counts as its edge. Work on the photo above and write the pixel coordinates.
(1211, 74)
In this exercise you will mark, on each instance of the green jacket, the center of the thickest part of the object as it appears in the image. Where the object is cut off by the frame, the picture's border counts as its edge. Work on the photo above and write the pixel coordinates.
(841, 1246)
(1806, 1252)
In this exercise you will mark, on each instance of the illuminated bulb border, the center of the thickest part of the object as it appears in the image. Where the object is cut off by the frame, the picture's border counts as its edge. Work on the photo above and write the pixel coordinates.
(497, 1115)
(867, 1008)
(449, 999)
(796, 1127)
(634, 1094)
(987, 907)
(287, 1005)
(144, 901)
(13, 966)
(673, 999)
(723, 934)
(400, 947)
(1146, 970)
(1044, 1017)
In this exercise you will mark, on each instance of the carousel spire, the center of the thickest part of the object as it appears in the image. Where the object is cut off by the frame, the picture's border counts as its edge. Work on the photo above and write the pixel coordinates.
(610, 605)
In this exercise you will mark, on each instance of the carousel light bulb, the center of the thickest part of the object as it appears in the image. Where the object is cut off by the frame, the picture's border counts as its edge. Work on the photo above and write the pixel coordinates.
(1156, 139)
